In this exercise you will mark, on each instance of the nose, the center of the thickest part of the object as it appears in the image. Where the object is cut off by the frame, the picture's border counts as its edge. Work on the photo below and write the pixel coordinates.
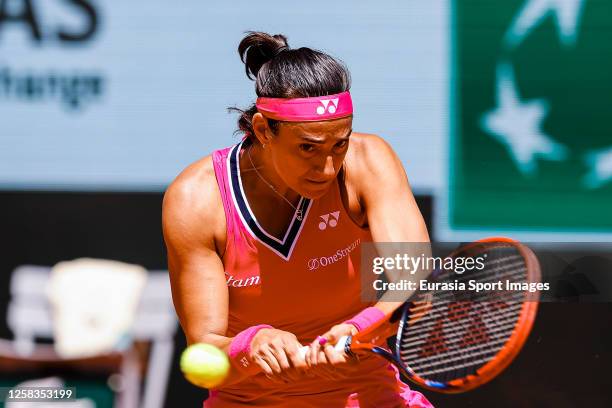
(329, 171)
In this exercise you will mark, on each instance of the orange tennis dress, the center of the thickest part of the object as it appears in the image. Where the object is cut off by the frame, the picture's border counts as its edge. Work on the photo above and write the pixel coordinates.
(304, 283)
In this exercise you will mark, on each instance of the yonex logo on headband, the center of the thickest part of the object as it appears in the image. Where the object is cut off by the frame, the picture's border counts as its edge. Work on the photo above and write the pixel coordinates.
(316, 108)
(331, 108)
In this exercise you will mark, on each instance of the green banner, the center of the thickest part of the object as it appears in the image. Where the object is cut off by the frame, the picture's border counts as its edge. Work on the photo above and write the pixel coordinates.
(531, 106)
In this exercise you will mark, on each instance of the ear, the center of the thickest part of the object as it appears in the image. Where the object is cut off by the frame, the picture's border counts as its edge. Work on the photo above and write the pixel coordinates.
(262, 130)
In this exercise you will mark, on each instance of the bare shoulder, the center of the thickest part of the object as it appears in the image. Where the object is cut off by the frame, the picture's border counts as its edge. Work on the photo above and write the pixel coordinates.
(192, 208)
(371, 156)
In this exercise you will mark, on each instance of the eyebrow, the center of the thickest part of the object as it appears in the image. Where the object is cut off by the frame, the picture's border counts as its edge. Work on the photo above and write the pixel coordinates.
(317, 140)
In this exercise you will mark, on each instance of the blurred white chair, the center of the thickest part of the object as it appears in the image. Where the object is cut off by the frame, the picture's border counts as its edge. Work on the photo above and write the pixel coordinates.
(125, 363)
(29, 317)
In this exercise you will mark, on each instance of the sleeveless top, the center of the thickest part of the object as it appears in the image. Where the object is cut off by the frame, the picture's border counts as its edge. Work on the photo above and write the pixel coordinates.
(304, 283)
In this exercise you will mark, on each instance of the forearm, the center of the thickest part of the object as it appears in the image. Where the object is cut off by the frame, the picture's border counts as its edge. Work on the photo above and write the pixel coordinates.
(235, 374)
(238, 349)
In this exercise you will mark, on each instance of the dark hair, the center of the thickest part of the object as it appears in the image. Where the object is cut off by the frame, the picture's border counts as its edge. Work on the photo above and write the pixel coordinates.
(282, 72)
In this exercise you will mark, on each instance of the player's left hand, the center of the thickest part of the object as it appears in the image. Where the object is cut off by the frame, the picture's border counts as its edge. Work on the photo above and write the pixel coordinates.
(324, 360)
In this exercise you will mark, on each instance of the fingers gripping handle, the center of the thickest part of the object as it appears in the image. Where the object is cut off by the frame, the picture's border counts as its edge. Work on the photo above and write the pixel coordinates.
(339, 347)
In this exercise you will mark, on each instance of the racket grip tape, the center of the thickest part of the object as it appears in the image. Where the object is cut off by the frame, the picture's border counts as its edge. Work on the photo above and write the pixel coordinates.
(341, 346)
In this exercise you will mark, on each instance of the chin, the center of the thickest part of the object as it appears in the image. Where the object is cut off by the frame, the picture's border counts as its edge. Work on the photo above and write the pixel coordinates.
(313, 196)
(315, 193)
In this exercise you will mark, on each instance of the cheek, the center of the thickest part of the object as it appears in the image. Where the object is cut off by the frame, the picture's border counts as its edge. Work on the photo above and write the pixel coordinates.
(338, 160)
(290, 167)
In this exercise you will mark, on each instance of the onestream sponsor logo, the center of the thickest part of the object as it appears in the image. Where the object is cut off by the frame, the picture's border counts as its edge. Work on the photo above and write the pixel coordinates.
(323, 261)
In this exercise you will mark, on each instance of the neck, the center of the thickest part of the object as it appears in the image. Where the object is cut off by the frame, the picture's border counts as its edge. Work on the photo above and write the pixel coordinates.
(261, 176)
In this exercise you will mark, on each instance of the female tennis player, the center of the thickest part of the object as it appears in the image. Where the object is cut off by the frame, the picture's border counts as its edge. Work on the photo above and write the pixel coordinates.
(263, 239)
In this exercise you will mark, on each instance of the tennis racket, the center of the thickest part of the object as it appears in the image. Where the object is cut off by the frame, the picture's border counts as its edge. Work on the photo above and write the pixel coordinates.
(449, 342)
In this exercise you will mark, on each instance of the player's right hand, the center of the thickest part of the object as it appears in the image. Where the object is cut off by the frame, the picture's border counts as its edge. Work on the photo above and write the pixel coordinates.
(324, 360)
(277, 353)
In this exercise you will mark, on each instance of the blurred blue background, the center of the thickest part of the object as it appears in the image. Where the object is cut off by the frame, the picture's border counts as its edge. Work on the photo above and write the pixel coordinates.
(146, 92)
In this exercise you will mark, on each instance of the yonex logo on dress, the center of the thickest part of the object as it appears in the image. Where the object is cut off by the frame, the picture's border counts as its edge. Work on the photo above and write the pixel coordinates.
(327, 106)
(330, 219)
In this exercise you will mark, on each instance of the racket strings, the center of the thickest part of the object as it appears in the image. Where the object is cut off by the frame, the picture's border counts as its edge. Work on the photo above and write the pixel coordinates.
(453, 335)
(441, 359)
(468, 352)
(493, 269)
(514, 272)
(439, 310)
(501, 298)
(421, 339)
(451, 338)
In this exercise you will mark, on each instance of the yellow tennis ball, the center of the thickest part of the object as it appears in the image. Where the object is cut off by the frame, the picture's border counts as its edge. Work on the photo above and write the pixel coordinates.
(204, 365)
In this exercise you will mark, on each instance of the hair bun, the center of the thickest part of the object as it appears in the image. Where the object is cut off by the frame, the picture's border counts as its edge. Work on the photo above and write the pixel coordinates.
(257, 48)
(283, 72)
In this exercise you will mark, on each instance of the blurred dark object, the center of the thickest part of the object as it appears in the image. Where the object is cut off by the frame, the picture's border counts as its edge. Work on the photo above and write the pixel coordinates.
(122, 371)
(29, 318)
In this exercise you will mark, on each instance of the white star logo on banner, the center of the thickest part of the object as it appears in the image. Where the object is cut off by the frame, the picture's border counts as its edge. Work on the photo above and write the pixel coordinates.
(600, 166)
(566, 12)
(517, 125)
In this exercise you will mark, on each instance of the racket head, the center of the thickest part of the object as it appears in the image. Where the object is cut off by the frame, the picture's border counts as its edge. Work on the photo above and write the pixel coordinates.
(456, 346)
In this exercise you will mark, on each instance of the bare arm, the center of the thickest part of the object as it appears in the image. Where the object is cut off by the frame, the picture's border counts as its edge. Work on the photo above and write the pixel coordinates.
(194, 229)
(197, 277)
(392, 212)
(192, 214)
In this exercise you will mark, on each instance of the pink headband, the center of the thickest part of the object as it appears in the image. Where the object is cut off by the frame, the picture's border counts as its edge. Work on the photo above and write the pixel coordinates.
(307, 109)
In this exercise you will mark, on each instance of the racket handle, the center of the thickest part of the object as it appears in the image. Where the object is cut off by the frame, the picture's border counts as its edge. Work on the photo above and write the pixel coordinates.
(339, 347)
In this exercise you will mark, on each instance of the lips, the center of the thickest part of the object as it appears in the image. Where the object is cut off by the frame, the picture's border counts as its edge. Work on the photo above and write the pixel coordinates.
(319, 185)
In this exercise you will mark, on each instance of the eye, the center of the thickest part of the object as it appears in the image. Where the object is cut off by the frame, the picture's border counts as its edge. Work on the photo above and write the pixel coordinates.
(307, 148)
(341, 144)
